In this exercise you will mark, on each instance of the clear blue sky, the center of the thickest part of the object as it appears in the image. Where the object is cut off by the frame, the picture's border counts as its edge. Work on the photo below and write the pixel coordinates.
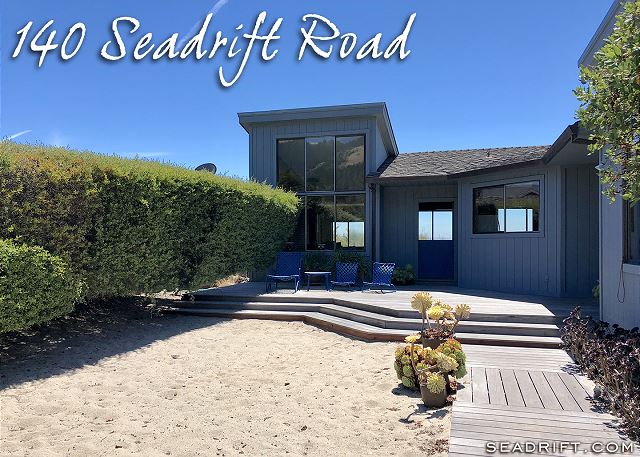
(480, 74)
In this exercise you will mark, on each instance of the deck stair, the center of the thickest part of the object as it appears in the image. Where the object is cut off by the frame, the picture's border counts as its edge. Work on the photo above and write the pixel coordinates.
(375, 322)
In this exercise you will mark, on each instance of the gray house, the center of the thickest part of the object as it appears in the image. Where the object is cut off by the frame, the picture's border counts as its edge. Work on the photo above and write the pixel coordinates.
(522, 219)
(528, 220)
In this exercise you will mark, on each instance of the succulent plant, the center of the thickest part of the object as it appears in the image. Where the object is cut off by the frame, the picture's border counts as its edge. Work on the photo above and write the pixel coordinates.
(462, 311)
(412, 363)
(445, 363)
(453, 348)
(435, 382)
(408, 382)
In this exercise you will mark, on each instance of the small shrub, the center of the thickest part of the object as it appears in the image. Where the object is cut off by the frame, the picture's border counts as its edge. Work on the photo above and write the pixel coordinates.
(404, 276)
(35, 286)
(610, 356)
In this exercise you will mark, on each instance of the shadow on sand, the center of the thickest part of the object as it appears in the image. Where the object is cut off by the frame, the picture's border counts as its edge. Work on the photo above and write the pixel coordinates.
(88, 335)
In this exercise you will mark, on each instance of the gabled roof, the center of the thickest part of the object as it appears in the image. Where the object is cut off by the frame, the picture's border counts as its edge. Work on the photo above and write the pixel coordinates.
(449, 164)
(377, 110)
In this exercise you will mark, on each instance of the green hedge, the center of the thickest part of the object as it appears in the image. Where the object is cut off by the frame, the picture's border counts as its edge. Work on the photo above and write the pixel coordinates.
(132, 226)
(34, 286)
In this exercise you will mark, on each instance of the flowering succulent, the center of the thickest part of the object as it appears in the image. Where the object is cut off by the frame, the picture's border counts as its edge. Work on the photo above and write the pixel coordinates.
(412, 339)
(421, 302)
(436, 313)
(463, 311)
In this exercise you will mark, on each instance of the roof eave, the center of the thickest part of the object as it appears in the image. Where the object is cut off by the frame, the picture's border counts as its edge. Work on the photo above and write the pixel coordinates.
(602, 32)
(377, 110)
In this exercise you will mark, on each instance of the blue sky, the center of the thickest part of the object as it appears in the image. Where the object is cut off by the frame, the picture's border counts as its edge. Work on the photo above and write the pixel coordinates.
(480, 74)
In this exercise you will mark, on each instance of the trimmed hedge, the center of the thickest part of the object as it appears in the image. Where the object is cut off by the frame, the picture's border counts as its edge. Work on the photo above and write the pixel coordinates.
(610, 356)
(34, 286)
(135, 226)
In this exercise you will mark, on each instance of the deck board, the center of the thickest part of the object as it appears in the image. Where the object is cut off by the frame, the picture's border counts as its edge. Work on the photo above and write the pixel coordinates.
(561, 392)
(480, 392)
(511, 388)
(528, 390)
(495, 387)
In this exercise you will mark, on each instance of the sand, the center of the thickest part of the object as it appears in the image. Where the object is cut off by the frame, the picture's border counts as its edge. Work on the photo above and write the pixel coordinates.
(184, 386)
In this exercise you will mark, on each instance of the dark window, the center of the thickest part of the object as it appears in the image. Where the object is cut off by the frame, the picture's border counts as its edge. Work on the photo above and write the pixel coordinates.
(508, 208)
(328, 173)
(291, 164)
(350, 221)
(320, 217)
(488, 209)
(631, 233)
(349, 163)
(522, 202)
(320, 164)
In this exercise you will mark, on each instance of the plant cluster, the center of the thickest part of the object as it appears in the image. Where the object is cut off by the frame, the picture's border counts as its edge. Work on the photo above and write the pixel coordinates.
(415, 365)
(439, 320)
(404, 276)
(134, 226)
(610, 356)
(35, 286)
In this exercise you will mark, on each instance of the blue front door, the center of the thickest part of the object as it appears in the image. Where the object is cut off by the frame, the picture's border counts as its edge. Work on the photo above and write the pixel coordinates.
(435, 241)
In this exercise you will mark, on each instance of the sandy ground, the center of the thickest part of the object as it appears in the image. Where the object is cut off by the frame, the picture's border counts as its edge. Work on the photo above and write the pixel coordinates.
(178, 385)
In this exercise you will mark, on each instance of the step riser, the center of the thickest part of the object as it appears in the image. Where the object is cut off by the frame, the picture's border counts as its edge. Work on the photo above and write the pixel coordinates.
(368, 336)
(205, 301)
(381, 323)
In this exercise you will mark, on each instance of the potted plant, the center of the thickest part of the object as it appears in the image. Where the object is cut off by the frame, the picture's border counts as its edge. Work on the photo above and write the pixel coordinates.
(434, 377)
(439, 320)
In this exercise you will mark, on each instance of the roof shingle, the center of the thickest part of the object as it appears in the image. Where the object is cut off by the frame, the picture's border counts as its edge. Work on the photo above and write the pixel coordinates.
(451, 163)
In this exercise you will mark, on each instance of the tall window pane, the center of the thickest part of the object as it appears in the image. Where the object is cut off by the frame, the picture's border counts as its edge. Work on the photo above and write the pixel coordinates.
(320, 223)
(350, 221)
(320, 163)
(425, 225)
(349, 163)
(291, 164)
(631, 233)
(488, 209)
(443, 225)
(296, 242)
(522, 206)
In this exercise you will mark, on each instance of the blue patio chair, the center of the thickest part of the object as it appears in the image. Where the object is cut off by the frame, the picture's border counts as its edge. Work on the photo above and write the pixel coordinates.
(381, 275)
(288, 267)
(346, 274)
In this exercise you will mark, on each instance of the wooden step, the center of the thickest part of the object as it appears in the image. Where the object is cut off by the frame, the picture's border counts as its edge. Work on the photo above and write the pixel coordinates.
(286, 299)
(363, 330)
(390, 322)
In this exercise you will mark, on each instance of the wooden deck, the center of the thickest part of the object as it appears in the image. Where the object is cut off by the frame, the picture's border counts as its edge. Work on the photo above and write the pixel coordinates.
(524, 395)
(496, 318)
(482, 302)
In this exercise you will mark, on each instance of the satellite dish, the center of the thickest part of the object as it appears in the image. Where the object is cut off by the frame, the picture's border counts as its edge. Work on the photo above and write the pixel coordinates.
(207, 167)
